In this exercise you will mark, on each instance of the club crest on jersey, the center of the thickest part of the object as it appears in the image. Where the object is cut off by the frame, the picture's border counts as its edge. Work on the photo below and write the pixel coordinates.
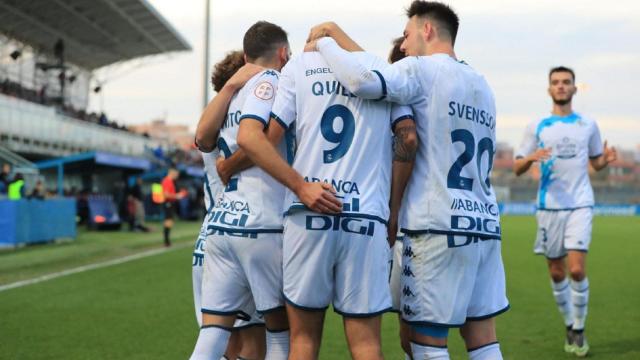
(264, 91)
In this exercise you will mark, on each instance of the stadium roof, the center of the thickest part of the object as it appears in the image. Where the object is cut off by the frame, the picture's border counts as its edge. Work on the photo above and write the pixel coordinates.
(95, 33)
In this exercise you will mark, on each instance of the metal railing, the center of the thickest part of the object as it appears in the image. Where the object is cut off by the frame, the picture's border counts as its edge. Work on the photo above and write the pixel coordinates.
(33, 128)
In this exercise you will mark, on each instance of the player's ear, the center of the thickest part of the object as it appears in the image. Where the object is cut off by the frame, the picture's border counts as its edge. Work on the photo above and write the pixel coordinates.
(428, 30)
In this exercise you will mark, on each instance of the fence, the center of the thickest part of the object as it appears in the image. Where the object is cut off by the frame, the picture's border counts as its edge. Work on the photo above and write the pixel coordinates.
(33, 221)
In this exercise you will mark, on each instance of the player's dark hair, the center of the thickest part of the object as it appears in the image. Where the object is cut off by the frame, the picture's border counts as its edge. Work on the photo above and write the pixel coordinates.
(445, 18)
(262, 39)
(224, 70)
(396, 54)
(562, 69)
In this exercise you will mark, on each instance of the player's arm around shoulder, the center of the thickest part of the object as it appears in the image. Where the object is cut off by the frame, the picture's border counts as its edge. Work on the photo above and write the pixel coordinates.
(214, 113)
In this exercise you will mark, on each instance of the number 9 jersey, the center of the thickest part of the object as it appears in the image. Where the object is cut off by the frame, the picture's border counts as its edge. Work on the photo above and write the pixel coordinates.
(341, 139)
(449, 191)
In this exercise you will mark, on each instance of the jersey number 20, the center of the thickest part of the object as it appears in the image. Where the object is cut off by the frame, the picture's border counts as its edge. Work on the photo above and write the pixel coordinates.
(342, 138)
(457, 181)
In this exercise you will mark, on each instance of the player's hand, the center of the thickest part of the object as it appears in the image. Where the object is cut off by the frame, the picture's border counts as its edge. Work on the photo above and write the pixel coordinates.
(321, 30)
(540, 155)
(392, 231)
(224, 176)
(319, 197)
(244, 74)
(610, 154)
(311, 46)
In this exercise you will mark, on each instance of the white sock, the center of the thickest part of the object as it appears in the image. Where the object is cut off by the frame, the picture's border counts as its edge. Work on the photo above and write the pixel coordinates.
(277, 345)
(580, 300)
(212, 343)
(486, 352)
(422, 352)
(562, 294)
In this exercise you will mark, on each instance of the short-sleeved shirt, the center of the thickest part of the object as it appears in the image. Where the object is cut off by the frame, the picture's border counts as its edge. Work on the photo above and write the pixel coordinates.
(169, 187)
(252, 200)
(341, 139)
(564, 178)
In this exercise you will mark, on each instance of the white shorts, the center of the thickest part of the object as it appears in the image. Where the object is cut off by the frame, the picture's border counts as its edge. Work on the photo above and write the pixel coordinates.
(344, 260)
(563, 230)
(197, 268)
(446, 283)
(396, 271)
(242, 274)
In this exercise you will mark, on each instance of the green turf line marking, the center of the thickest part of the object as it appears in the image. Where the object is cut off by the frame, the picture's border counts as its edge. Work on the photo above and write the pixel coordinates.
(84, 268)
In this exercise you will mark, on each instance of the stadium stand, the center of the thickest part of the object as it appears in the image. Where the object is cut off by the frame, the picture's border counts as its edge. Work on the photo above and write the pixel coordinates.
(50, 51)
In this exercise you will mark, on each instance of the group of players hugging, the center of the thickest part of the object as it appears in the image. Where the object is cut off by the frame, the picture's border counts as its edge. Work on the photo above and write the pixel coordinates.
(336, 178)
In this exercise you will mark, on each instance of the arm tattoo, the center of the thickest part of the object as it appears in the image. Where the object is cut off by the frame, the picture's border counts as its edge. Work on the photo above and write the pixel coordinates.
(404, 150)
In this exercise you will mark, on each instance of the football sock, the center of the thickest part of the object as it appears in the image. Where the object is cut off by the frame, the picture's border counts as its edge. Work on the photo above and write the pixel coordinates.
(562, 294)
(423, 352)
(166, 235)
(211, 344)
(277, 345)
(580, 300)
(486, 352)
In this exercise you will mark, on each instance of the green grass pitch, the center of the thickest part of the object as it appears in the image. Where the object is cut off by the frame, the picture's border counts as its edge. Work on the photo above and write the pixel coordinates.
(143, 309)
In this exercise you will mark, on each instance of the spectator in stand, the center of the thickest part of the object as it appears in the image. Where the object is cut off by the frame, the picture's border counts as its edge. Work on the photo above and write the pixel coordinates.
(38, 192)
(16, 188)
(5, 178)
(102, 120)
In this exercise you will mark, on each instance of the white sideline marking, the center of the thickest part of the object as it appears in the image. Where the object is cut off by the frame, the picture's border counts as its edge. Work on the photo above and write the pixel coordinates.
(84, 268)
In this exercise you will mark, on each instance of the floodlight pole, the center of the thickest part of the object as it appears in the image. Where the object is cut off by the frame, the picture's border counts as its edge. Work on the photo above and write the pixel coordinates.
(205, 78)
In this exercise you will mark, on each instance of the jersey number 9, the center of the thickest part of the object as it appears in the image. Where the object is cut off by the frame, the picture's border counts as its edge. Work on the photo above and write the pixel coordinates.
(343, 138)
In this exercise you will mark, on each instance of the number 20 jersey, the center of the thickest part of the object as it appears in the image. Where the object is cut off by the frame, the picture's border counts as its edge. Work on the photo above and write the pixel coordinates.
(341, 139)
(449, 191)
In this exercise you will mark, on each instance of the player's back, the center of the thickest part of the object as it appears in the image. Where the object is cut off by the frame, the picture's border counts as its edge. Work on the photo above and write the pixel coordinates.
(341, 139)
(252, 200)
(449, 191)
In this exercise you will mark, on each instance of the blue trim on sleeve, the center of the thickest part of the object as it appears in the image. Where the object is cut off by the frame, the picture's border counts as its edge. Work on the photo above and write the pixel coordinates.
(253, 117)
(280, 121)
(595, 156)
(383, 83)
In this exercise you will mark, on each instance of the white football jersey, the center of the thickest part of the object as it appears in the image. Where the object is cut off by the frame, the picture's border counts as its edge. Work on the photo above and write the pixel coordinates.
(341, 139)
(212, 184)
(564, 178)
(251, 202)
(449, 191)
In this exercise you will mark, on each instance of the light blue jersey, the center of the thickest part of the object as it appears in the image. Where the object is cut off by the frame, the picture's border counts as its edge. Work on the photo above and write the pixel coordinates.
(564, 178)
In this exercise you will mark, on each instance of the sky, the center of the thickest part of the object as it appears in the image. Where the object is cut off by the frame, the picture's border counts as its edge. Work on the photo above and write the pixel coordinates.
(512, 43)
